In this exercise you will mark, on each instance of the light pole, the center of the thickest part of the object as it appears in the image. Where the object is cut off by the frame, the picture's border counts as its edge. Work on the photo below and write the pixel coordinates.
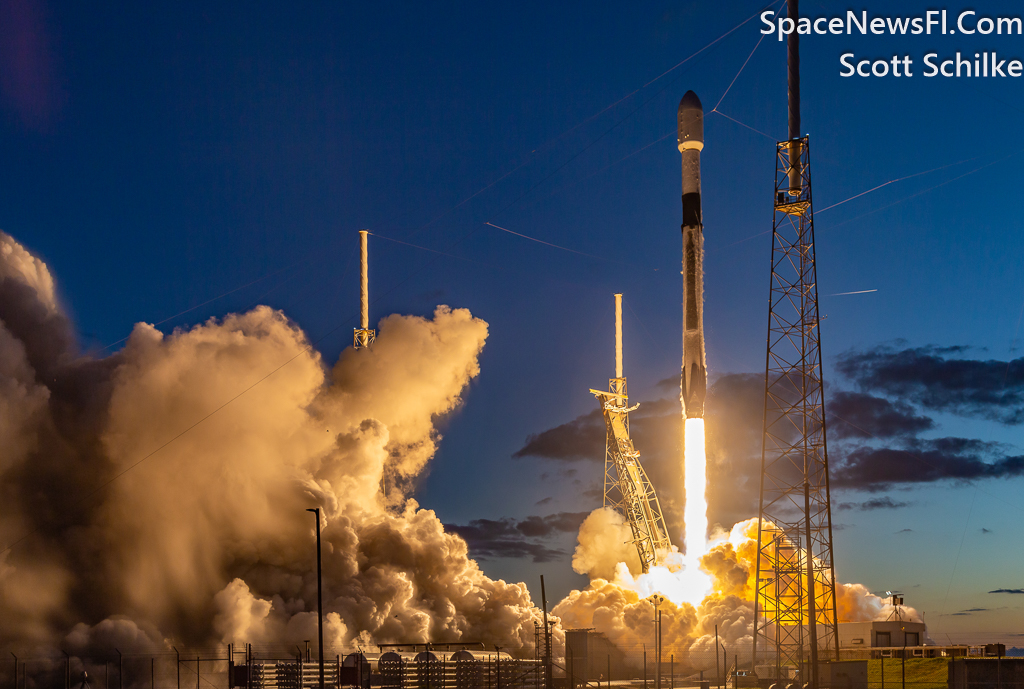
(657, 600)
(319, 594)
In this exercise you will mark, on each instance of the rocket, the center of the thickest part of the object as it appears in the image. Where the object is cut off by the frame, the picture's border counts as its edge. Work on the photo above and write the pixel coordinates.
(694, 381)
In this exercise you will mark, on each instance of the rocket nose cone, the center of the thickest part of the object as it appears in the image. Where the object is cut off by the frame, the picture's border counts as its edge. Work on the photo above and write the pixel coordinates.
(690, 101)
(690, 118)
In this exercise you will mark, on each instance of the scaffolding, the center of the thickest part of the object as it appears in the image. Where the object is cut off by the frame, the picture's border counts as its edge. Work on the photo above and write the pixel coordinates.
(626, 486)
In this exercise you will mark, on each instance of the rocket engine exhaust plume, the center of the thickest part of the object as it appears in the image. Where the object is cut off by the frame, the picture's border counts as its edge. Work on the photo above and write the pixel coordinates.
(695, 482)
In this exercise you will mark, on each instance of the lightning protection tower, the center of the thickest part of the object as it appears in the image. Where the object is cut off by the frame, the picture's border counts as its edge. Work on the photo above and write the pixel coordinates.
(626, 486)
(364, 335)
(795, 603)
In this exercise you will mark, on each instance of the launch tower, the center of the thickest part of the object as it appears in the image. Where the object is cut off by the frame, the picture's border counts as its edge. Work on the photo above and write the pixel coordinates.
(795, 603)
(626, 486)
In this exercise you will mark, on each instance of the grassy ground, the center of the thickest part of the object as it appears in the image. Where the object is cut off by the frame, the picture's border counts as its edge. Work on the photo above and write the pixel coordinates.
(922, 673)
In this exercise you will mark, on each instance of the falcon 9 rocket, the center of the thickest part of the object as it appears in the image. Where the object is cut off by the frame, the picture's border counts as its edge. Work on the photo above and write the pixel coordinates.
(694, 371)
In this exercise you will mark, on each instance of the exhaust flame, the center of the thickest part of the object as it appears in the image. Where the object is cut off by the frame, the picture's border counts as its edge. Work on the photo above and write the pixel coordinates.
(696, 512)
(693, 583)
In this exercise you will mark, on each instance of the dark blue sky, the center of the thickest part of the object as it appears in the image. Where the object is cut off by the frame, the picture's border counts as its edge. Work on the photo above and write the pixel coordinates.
(160, 156)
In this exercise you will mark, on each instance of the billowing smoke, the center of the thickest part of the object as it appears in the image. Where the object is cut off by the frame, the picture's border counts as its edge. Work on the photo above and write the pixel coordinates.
(618, 602)
(159, 495)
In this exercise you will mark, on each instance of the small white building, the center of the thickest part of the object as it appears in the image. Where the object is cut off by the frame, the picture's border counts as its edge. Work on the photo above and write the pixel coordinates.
(882, 634)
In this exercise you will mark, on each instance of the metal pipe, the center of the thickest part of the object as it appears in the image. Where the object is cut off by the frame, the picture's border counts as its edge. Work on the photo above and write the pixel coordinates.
(718, 672)
(316, 511)
(364, 284)
(618, 336)
(658, 682)
(812, 614)
(544, 602)
(793, 60)
(177, 657)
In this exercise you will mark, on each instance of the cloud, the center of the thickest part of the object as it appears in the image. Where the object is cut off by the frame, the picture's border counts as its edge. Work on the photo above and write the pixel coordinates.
(1007, 591)
(882, 503)
(861, 415)
(208, 541)
(579, 439)
(931, 378)
(924, 461)
(509, 538)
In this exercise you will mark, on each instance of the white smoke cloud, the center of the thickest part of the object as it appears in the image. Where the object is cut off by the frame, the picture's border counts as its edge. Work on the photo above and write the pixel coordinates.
(166, 501)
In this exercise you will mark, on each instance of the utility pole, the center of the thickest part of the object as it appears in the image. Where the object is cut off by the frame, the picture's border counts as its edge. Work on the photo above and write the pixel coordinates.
(319, 595)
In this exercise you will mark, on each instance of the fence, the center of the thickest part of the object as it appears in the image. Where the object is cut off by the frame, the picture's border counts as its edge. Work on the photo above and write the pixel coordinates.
(273, 669)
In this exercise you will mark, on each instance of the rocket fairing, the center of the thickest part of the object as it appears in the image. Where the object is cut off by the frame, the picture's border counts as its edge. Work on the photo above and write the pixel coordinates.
(694, 380)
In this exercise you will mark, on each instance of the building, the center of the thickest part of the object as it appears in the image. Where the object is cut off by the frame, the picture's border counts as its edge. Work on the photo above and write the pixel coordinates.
(882, 634)
(590, 656)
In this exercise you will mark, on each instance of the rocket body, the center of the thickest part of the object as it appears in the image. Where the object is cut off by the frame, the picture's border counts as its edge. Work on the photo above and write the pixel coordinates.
(694, 380)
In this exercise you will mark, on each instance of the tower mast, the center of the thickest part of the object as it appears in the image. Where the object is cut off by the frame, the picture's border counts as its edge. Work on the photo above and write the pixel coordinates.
(794, 571)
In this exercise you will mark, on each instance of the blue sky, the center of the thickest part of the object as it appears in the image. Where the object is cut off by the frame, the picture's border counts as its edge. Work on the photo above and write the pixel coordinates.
(160, 157)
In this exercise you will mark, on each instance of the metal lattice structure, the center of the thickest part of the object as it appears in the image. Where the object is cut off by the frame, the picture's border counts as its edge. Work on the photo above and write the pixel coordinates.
(626, 486)
(795, 604)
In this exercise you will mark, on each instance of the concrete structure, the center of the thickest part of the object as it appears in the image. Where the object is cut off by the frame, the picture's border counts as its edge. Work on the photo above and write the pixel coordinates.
(882, 634)
(589, 655)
